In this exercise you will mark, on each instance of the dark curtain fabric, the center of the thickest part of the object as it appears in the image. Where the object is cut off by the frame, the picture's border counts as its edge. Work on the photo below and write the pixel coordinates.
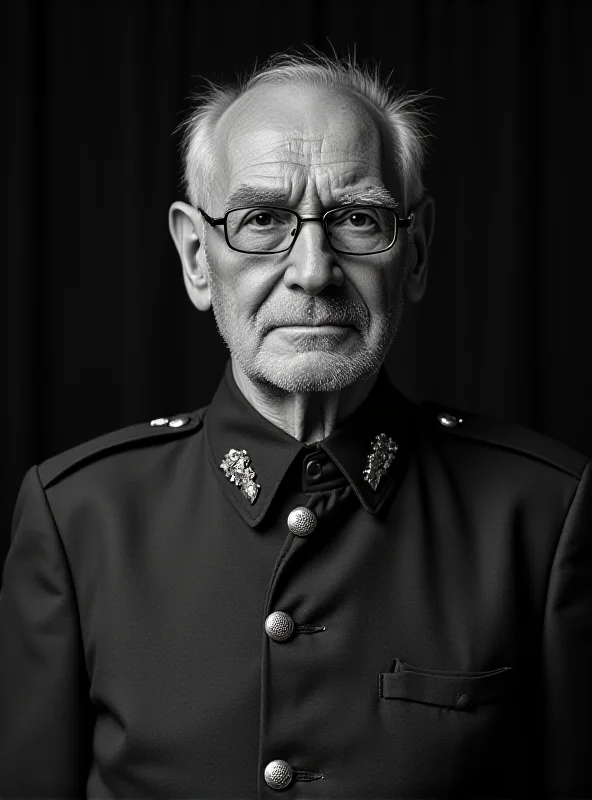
(97, 332)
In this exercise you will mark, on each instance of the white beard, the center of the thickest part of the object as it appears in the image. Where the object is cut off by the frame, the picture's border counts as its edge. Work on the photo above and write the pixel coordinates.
(318, 367)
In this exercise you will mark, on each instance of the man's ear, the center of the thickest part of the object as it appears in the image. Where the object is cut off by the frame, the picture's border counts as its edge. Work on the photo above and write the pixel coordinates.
(185, 225)
(422, 231)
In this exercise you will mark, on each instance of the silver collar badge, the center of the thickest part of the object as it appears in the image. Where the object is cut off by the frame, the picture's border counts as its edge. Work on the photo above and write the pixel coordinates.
(236, 467)
(382, 456)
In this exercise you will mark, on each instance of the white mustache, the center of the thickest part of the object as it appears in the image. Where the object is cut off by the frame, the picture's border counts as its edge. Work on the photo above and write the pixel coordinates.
(313, 312)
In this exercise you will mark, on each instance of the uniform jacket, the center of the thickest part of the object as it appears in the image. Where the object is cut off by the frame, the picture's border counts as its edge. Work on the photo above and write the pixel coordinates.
(162, 636)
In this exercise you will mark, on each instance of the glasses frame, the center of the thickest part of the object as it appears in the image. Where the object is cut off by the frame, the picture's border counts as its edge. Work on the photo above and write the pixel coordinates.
(400, 222)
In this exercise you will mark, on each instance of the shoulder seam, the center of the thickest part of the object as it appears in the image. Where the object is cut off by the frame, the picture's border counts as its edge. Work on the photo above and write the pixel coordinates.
(523, 452)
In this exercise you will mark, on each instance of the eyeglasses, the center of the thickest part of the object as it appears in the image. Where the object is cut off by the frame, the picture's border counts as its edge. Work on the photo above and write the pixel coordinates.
(352, 230)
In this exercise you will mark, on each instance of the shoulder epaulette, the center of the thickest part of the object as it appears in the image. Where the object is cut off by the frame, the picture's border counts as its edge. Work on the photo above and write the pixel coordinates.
(155, 430)
(506, 435)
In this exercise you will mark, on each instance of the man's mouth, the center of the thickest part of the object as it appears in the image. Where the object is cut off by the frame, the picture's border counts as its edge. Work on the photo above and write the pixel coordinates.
(316, 330)
(311, 326)
(322, 325)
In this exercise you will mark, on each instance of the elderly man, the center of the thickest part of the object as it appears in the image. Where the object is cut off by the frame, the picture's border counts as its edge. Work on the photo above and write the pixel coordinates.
(313, 586)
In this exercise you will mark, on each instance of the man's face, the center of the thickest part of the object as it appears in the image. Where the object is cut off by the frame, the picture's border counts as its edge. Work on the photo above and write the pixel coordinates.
(309, 319)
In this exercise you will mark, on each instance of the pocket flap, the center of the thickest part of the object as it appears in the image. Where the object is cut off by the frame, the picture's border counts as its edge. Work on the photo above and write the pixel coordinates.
(461, 690)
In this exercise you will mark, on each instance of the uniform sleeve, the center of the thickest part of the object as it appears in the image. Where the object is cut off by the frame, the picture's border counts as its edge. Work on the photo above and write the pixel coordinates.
(567, 654)
(45, 718)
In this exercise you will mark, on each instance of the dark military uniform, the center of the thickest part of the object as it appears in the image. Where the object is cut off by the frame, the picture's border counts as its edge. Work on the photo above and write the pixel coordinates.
(414, 624)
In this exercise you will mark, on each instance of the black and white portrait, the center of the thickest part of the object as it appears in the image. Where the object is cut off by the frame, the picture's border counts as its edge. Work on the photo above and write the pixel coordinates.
(298, 498)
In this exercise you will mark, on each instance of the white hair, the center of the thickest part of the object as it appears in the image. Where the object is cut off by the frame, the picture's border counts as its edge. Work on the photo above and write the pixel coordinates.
(404, 118)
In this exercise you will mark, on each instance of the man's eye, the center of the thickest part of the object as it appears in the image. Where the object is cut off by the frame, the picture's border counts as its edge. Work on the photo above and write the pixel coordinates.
(262, 219)
(360, 220)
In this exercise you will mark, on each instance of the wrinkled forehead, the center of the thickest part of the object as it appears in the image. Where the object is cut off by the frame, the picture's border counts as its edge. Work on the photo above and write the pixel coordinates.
(290, 135)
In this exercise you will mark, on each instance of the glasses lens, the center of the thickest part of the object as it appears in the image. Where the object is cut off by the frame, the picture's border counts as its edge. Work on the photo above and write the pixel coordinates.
(261, 230)
(361, 229)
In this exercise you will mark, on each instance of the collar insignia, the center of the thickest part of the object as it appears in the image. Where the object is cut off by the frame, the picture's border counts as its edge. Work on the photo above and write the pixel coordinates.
(380, 459)
(236, 467)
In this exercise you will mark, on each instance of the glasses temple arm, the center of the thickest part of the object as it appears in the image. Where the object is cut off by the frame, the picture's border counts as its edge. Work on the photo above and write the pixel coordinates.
(209, 219)
(407, 222)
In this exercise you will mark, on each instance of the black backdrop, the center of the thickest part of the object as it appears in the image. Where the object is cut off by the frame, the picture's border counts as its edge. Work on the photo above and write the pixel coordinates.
(97, 331)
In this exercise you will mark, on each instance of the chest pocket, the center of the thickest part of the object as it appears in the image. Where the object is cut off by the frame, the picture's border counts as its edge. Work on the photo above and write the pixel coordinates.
(462, 691)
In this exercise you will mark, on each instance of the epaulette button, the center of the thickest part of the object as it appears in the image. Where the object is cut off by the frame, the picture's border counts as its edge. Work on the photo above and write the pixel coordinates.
(158, 422)
(449, 420)
(178, 422)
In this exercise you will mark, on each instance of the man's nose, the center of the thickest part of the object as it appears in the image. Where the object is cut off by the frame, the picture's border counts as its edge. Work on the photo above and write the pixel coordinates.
(312, 264)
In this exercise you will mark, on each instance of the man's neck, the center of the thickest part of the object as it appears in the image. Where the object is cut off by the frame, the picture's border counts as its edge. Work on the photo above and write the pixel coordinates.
(307, 416)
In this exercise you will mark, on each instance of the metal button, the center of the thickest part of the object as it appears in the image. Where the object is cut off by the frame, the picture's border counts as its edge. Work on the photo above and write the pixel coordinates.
(178, 422)
(278, 774)
(313, 470)
(279, 626)
(302, 521)
(449, 420)
(160, 421)
(463, 701)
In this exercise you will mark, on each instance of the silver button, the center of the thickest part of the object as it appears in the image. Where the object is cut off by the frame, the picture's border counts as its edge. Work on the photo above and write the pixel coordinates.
(449, 420)
(278, 774)
(178, 422)
(279, 626)
(160, 421)
(302, 521)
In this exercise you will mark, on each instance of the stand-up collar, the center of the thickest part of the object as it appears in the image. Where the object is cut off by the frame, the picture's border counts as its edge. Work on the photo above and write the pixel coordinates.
(232, 423)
